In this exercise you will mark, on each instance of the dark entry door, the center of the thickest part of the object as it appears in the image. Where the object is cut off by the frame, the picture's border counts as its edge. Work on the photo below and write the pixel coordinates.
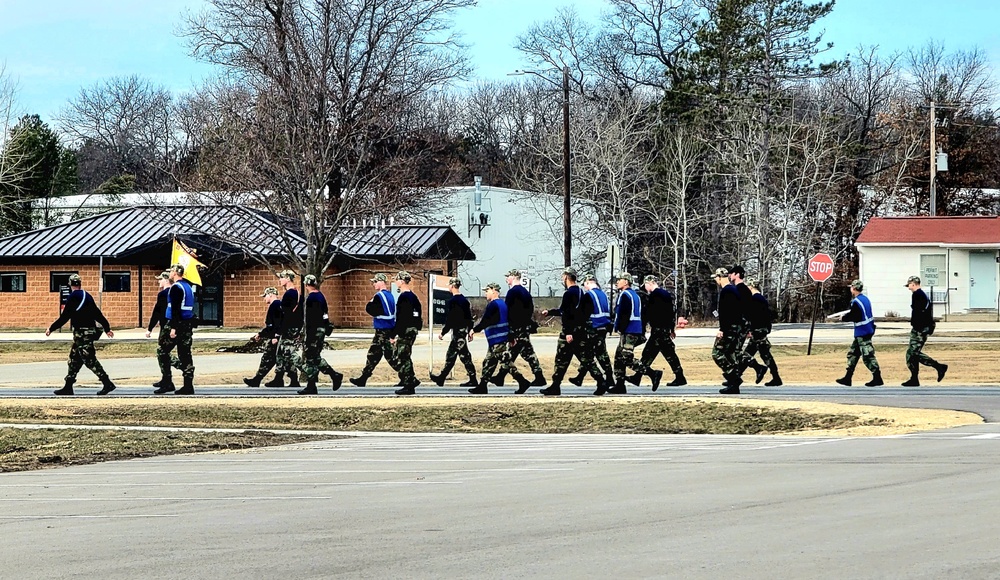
(208, 306)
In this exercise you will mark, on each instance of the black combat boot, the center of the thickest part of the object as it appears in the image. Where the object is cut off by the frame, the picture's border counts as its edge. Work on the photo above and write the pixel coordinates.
(188, 388)
(406, 390)
(760, 369)
(108, 386)
(846, 379)
(336, 378)
(913, 381)
(480, 389)
(277, 382)
(876, 380)
(472, 382)
(523, 384)
(309, 389)
(541, 382)
(618, 388)
(734, 381)
(679, 379)
(360, 381)
(941, 370)
(655, 376)
(67, 389)
(293, 380)
(553, 391)
(635, 379)
(253, 382)
(602, 387)
(775, 378)
(438, 379)
(166, 386)
(578, 379)
(499, 377)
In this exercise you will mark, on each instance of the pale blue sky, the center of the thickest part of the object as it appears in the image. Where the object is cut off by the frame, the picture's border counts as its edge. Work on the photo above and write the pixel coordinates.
(54, 47)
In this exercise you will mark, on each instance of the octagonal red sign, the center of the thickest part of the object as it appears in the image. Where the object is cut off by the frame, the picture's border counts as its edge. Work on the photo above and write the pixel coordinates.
(820, 267)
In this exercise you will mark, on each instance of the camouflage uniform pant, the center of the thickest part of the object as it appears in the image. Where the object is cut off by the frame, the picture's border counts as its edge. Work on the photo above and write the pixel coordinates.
(287, 351)
(521, 346)
(726, 353)
(268, 359)
(497, 356)
(174, 361)
(83, 353)
(165, 345)
(600, 349)
(404, 355)
(311, 362)
(862, 348)
(915, 352)
(759, 344)
(625, 356)
(660, 343)
(458, 348)
(381, 347)
(582, 347)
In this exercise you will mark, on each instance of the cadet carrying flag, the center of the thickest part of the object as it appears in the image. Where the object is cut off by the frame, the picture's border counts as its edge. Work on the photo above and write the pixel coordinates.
(185, 257)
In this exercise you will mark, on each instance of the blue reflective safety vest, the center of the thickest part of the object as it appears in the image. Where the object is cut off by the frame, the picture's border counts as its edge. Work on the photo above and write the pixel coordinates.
(601, 317)
(497, 333)
(187, 307)
(387, 320)
(866, 326)
(635, 317)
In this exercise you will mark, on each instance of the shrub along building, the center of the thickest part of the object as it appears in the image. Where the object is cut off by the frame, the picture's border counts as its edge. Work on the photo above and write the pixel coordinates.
(118, 255)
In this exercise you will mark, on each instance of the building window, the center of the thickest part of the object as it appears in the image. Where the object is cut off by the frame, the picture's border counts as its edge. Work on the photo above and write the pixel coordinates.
(13, 282)
(934, 276)
(117, 281)
(58, 280)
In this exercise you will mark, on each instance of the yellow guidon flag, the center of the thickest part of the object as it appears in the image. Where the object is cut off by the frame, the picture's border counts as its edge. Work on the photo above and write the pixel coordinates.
(185, 257)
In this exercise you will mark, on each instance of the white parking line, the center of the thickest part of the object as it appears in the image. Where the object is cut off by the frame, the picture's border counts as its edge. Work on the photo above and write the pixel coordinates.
(78, 517)
(232, 483)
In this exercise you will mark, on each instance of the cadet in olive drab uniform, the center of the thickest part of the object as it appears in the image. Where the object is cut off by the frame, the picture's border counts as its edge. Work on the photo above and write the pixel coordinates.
(289, 336)
(312, 363)
(382, 308)
(409, 321)
(458, 320)
(628, 323)
(864, 328)
(180, 321)
(83, 315)
(759, 316)
(921, 326)
(659, 314)
(495, 325)
(520, 315)
(600, 326)
(272, 321)
(736, 276)
(726, 352)
(573, 334)
(159, 317)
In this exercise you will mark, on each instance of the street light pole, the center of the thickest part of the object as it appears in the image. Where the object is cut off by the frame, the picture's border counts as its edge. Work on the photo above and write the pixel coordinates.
(567, 238)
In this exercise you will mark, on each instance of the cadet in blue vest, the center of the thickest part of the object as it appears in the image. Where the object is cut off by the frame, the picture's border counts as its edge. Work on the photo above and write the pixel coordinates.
(726, 350)
(272, 321)
(180, 322)
(596, 308)
(84, 316)
(573, 336)
(862, 316)
(458, 320)
(921, 326)
(159, 317)
(520, 314)
(496, 327)
(382, 308)
(628, 323)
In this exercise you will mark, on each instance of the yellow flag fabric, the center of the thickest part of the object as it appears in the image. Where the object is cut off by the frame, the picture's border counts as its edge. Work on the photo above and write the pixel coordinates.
(181, 255)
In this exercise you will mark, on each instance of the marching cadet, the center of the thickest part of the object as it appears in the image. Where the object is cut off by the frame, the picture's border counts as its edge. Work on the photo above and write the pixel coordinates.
(572, 335)
(922, 326)
(382, 308)
(272, 321)
(458, 320)
(659, 314)
(84, 316)
(628, 323)
(494, 324)
(159, 317)
(318, 327)
(408, 324)
(520, 315)
(180, 322)
(289, 336)
(725, 352)
(595, 307)
(864, 328)
(759, 316)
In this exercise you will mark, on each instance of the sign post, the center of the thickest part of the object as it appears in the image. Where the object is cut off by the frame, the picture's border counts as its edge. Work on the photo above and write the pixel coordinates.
(820, 270)
(437, 298)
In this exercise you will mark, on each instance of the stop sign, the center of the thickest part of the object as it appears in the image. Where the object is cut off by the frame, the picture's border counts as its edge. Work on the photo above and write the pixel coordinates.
(820, 267)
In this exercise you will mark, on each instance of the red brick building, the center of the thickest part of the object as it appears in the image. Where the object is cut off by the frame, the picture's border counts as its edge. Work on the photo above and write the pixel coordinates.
(119, 254)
